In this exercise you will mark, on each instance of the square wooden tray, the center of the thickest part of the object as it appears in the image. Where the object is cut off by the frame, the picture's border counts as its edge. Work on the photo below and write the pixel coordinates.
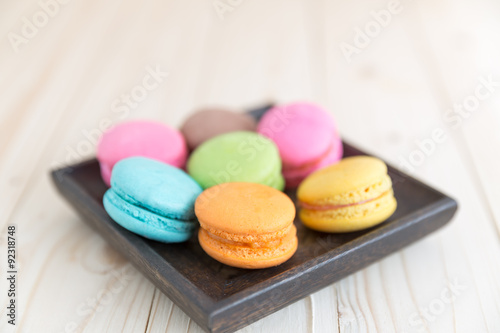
(223, 299)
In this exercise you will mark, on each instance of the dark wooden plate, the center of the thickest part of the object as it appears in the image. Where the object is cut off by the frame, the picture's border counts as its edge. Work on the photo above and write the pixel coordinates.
(223, 299)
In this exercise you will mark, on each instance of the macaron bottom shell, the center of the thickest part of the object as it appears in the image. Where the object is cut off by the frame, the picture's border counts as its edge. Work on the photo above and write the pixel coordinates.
(350, 218)
(248, 257)
(146, 223)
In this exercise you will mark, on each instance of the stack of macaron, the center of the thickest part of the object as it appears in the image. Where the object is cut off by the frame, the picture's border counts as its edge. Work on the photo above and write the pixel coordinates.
(352, 195)
(247, 225)
(223, 174)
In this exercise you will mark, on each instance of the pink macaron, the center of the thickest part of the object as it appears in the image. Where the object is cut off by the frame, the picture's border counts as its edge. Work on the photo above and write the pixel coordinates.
(140, 138)
(306, 136)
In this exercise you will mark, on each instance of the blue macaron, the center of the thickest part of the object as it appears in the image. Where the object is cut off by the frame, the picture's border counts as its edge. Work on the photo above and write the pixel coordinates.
(152, 199)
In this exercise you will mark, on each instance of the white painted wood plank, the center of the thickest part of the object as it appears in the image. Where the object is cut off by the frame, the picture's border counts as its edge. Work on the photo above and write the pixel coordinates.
(402, 108)
(476, 44)
(38, 192)
(470, 38)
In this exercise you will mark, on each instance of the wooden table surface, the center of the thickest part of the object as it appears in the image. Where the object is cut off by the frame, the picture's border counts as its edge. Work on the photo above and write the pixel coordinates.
(416, 82)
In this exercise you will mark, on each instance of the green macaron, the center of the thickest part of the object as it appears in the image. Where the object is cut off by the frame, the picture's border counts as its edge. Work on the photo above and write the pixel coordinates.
(237, 157)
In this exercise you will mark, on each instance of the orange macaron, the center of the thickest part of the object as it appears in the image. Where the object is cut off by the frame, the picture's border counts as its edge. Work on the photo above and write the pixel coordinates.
(246, 225)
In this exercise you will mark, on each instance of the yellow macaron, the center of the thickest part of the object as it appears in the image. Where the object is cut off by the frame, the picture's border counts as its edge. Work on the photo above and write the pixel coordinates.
(352, 195)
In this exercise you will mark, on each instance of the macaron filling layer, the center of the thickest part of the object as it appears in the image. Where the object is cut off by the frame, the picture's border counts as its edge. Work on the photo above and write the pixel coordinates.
(182, 216)
(260, 240)
(366, 192)
(332, 207)
(354, 211)
(111, 197)
(255, 245)
(275, 249)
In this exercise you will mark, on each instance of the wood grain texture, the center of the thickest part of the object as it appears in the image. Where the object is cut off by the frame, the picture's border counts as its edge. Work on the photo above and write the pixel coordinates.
(64, 80)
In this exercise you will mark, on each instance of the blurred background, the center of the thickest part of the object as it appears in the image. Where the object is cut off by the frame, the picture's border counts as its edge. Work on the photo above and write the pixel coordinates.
(416, 82)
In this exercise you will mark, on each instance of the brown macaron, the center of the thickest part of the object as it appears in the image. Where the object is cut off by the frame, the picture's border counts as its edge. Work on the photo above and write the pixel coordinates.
(208, 123)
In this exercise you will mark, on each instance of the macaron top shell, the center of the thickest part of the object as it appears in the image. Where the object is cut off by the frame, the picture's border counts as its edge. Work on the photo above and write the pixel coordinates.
(142, 138)
(303, 132)
(156, 186)
(352, 180)
(210, 123)
(245, 208)
(236, 157)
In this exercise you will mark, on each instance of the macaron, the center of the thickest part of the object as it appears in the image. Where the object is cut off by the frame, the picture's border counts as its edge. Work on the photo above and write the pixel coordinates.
(140, 138)
(208, 123)
(352, 195)
(246, 225)
(237, 157)
(306, 136)
(152, 199)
